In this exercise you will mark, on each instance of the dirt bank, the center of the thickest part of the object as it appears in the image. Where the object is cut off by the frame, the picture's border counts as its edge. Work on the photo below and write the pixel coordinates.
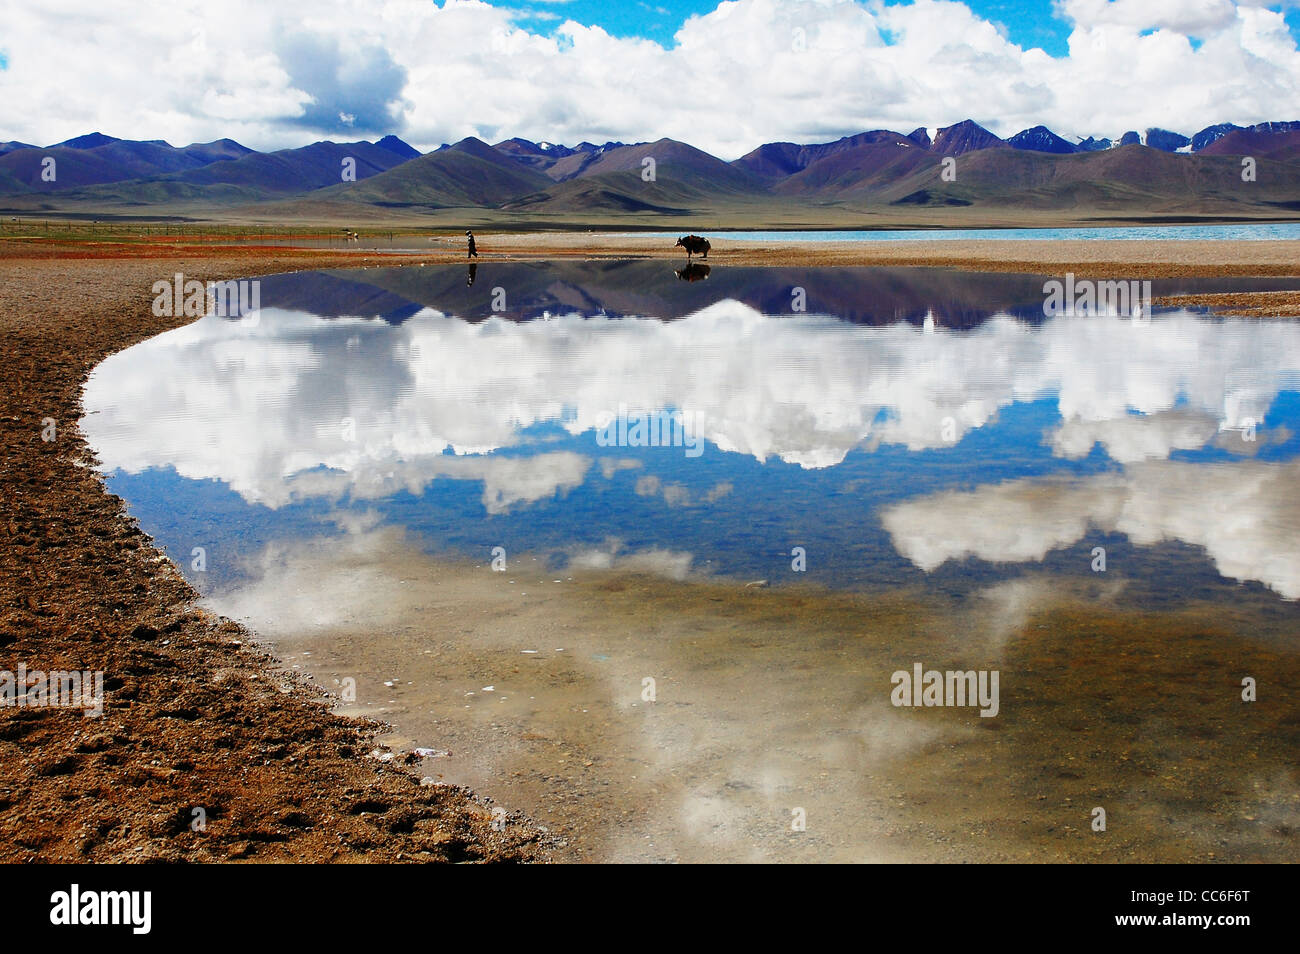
(195, 716)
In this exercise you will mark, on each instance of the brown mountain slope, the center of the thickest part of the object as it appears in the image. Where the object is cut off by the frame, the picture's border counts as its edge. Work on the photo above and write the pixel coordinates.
(859, 170)
(1133, 177)
(776, 160)
(963, 137)
(470, 173)
(1249, 142)
(673, 161)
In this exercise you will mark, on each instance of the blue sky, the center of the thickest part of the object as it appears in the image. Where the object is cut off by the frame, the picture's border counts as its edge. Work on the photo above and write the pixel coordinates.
(1028, 23)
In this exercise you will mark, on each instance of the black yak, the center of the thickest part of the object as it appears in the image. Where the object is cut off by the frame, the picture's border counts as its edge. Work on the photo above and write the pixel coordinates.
(694, 245)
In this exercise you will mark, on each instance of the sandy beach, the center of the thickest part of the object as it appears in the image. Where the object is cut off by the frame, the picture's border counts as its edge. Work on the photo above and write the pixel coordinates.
(201, 714)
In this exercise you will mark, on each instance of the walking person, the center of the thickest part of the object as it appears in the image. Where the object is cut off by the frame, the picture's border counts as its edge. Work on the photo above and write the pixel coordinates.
(473, 252)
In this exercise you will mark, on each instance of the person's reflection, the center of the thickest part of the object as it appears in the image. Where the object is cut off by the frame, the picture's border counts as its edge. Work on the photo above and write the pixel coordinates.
(472, 273)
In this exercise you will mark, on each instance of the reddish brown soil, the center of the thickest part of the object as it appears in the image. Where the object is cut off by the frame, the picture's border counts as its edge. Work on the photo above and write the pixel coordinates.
(195, 715)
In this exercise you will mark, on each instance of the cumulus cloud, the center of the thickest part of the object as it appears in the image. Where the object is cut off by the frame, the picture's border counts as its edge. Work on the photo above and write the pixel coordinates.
(1244, 514)
(1190, 17)
(1133, 438)
(744, 73)
(296, 406)
(359, 89)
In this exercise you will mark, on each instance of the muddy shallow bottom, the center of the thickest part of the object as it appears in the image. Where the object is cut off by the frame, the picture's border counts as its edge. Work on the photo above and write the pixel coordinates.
(772, 707)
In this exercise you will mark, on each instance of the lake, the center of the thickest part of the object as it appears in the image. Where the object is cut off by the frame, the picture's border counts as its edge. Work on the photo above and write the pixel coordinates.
(1240, 231)
(644, 557)
(1237, 231)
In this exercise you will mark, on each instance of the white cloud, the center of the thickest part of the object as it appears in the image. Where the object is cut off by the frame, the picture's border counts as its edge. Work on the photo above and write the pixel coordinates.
(1191, 17)
(674, 564)
(297, 406)
(747, 72)
(1133, 438)
(1244, 514)
(674, 494)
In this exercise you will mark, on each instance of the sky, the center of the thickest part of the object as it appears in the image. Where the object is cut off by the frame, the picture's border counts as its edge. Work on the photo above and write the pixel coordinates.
(1028, 23)
(725, 77)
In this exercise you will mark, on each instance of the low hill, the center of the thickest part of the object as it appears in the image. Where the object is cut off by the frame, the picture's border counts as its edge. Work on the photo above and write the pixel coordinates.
(102, 175)
(619, 180)
(469, 173)
(860, 171)
(580, 158)
(776, 160)
(7, 147)
(105, 160)
(1132, 179)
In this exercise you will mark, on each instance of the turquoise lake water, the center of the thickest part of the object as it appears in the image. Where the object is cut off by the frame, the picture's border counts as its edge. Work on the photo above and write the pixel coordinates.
(1254, 231)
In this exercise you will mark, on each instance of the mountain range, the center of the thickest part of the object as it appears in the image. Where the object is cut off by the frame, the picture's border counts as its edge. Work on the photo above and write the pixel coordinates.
(1153, 173)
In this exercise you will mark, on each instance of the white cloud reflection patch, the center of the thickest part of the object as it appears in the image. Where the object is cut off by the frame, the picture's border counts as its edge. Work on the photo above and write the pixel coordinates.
(1244, 514)
(298, 407)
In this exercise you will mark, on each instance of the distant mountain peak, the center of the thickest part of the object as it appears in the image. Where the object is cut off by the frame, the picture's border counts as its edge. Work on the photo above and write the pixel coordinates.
(965, 136)
(1211, 134)
(920, 136)
(475, 146)
(402, 148)
(217, 150)
(1165, 140)
(13, 146)
(1041, 139)
(88, 141)
(1093, 145)
(593, 148)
